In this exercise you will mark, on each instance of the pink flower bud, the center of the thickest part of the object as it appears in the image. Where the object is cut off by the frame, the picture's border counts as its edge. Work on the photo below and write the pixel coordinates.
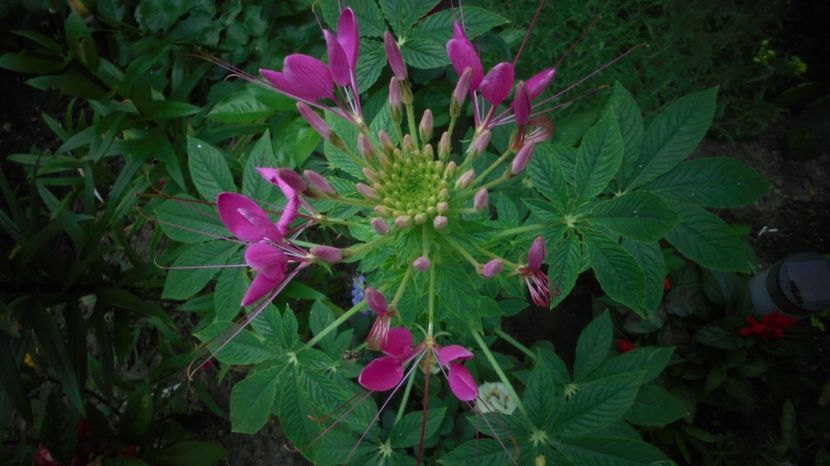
(403, 221)
(421, 264)
(480, 143)
(382, 210)
(395, 102)
(449, 172)
(536, 254)
(498, 83)
(481, 199)
(327, 253)
(444, 146)
(492, 268)
(349, 36)
(370, 174)
(367, 191)
(462, 87)
(376, 300)
(380, 226)
(465, 179)
(386, 141)
(393, 54)
(318, 182)
(440, 222)
(522, 158)
(338, 63)
(314, 120)
(367, 150)
(521, 105)
(538, 82)
(463, 55)
(443, 207)
(425, 128)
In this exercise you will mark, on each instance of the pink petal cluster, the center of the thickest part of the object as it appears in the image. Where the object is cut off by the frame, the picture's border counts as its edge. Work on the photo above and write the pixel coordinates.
(537, 281)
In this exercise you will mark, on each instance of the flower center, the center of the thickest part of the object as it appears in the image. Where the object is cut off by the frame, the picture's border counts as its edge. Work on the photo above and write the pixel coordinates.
(412, 184)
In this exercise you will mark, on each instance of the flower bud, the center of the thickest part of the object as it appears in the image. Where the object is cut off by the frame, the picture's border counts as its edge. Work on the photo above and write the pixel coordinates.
(314, 120)
(480, 143)
(498, 83)
(449, 172)
(367, 150)
(440, 222)
(367, 191)
(522, 159)
(318, 182)
(375, 300)
(421, 264)
(386, 142)
(465, 179)
(425, 128)
(393, 54)
(521, 105)
(492, 268)
(403, 221)
(370, 174)
(427, 153)
(442, 207)
(420, 218)
(536, 254)
(444, 146)
(395, 100)
(327, 253)
(462, 88)
(481, 199)
(382, 210)
(380, 226)
(408, 144)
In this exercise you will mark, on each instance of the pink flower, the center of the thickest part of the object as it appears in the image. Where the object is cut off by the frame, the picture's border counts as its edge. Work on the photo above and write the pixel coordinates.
(387, 372)
(463, 55)
(498, 83)
(246, 219)
(319, 182)
(522, 158)
(302, 77)
(537, 281)
(314, 120)
(349, 37)
(393, 54)
(538, 82)
(270, 264)
(492, 268)
(291, 185)
(338, 63)
(521, 104)
(379, 333)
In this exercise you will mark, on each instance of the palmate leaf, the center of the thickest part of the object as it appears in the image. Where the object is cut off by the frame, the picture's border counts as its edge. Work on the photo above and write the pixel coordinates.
(655, 406)
(548, 177)
(252, 399)
(598, 159)
(438, 26)
(623, 105)
(639, 216)
(253, 184)
(593, 345)
(209, 257)
(564, 262)
(189, 222)
(407, 431)
(477, 453)
(597, 404)
(230, 288)
(403, 14)
(538, 398)
(610, 451)
(616, 270)
(650, 360)
(650, 258)
(706, 239)
(371, 63)
(244, 348)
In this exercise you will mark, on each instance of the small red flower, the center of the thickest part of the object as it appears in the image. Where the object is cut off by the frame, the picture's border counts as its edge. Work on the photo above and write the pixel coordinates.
(772, 326)
(128, 452)
(624, 345)
(43, 457)
(666, 284)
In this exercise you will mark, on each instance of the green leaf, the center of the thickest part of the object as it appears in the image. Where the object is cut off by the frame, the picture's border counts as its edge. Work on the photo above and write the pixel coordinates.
(188, 453)
(565, 263)
(369, 18)
(438, 26)
(625, 108)
(478, 452)
(707, 240)
(538, 398)
(158, 15)
(651, 360)
(249, 105)
(599, 158)
(371, 63)
(407, 431)
(288, 334)
(208, 169)
(655, 407)
(244, 348)
(610, 451)
(253, 184)
(166, 109)
(251, 401)
(555, 366)
(593, 345)
(639, 216)
(336, 157)
(547, 176)
(718, 337)
(403, 14)
(138, 415)
(597, 404)
(204, 261)
(616, 270)
(230, 289)
(189, 222)
(424, 53)
(673, 135)
(720, 182)
(649, 257)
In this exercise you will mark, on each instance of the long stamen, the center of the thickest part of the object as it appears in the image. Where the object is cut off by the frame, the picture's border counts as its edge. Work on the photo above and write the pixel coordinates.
(577, 42)
(363, 397)
(529, 31)
(197, 267)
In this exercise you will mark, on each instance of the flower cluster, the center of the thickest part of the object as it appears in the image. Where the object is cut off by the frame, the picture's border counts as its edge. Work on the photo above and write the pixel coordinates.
(771, 326)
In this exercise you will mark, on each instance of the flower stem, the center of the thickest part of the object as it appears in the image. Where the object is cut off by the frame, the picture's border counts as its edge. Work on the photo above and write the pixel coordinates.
(461, 251)
(410, 117)
(524, 349)
(346, 315)
(405, 398)
(402, 287)
(518, 230)
(500, 373)
(492, 167)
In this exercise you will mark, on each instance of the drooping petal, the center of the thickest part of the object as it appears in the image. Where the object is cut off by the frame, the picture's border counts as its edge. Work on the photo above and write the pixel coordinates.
(338, 63)
(496, 86)
(521, 105)
(398, 343)
(289, 182)
(539, 81)
(536, 254)
(266, 260)
(376, 301)
(382, 374)
(245, 218)
(393, 55)
(462, 54)
(462, 383)
(314, 120)
(260, 286)
(349, 36)
(308, 77)
(278, 80)
(448, 354)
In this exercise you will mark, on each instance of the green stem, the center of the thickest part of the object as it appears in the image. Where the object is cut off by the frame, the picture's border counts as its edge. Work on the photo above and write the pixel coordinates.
(501, 374)
(406, 393)
(524, 349)
(402, 287)
(452, 126)
(461, 250)
(518, 230)
(413, 129)
(351, 251)
(492, 167)
(432, 294)
(354, 202)
(346, 315)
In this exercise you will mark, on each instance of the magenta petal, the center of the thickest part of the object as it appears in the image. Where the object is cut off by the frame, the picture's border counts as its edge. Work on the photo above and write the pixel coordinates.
(498, 83)
(266, 260)
(376, 301)
(289, 182)
(448, 354)
(349, 36)
(338, 63)
(462, 54)
(289, 214)
(261, 286)
(308, 77)
(539, 81)
(277, 79)
(245, 219)
(462, 384)
(521, 105)
(393, 54)
(537, 253)
(398, 343)
(382, 374)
